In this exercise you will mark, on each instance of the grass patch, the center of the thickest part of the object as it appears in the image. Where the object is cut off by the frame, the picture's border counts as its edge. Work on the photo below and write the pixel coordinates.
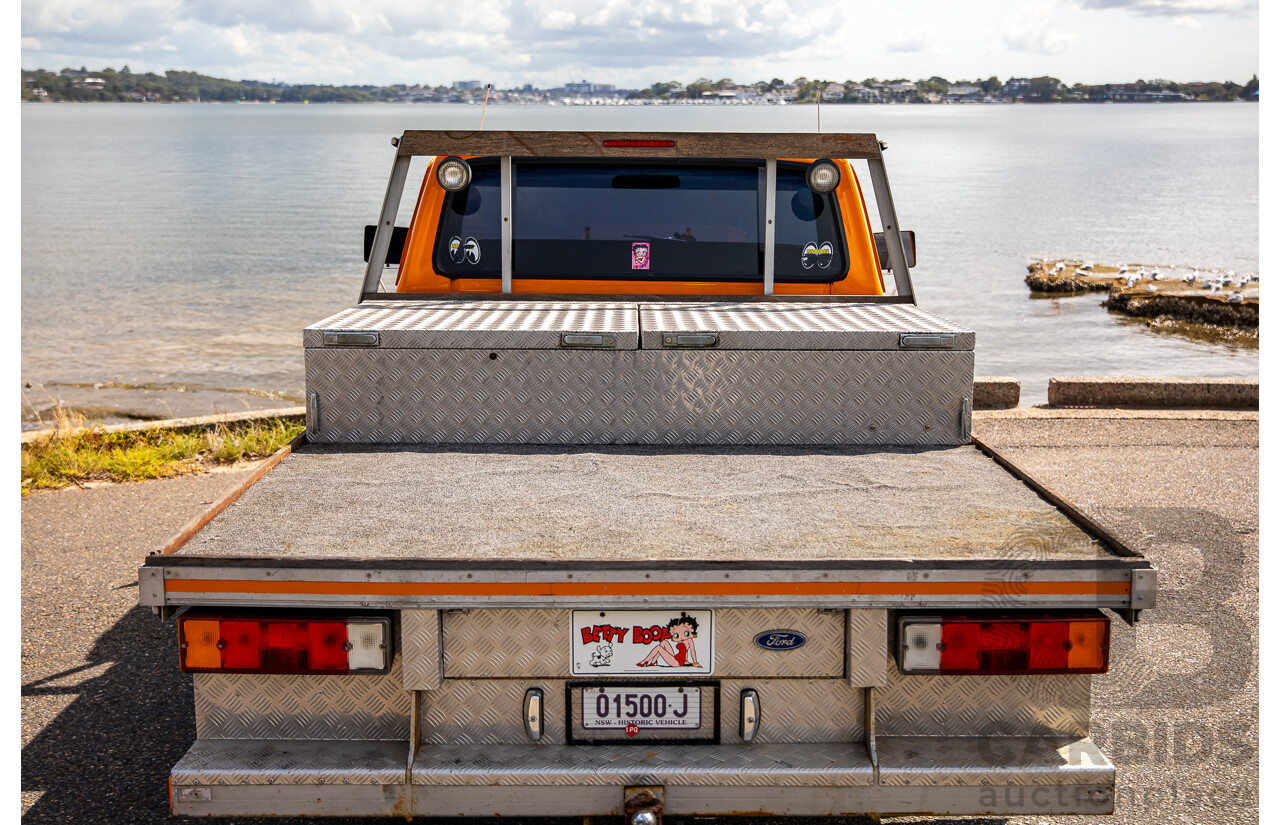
(72, 455)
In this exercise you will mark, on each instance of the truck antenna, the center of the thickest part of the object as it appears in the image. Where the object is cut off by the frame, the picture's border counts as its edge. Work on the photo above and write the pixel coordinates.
(487, 86)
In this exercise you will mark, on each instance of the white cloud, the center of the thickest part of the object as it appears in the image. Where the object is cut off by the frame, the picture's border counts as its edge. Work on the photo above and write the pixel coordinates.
(911, 40)
(1035, 37)
(1170, 7)
(30, 44)
(1185, 22)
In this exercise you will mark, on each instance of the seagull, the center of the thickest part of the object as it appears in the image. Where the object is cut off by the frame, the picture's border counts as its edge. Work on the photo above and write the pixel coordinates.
(1061, 266)
(1235, 298)
(1190, 279)
(1087, 266)
(1122, 270)
(1155, 275)
(1151, 287)
(1079, 272)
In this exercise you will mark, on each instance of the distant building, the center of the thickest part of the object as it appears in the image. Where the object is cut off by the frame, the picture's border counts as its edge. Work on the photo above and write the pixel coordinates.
(468, 85)
(583, 88)
(1016, 87)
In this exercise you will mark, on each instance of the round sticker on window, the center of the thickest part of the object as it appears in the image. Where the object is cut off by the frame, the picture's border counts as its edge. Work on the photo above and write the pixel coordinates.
(471, 250)
(809, 256)
(824, 254)
(455, 249)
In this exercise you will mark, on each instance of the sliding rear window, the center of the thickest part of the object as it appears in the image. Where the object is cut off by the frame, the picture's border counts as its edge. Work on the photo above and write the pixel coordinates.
(641, 221)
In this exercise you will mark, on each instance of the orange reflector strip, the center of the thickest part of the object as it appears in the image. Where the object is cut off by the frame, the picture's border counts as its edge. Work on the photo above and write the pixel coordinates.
(200, 644)
(869, 588)
(1088, 649)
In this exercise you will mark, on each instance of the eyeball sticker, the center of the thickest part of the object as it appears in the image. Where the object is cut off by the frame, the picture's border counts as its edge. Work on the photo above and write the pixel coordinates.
(818, 254)
(639, 256)
(455, 249)
(471, 250)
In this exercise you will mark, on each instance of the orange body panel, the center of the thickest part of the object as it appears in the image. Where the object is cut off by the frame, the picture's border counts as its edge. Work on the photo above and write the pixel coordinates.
(417, 274)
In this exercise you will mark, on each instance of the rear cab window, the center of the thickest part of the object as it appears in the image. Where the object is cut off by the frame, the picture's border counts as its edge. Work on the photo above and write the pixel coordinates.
(639, 220)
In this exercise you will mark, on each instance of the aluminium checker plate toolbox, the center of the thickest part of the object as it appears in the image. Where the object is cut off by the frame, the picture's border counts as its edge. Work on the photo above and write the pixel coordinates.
(489, 372)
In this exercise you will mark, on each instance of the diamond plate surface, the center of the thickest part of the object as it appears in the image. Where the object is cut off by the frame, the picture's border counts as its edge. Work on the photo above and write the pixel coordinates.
(536, 643)
(489, 712)
(254, 706)
(983, 705)
(744, 765)
(747, 326)
(232, 762)
(479, 324)
(795, 711)
(866, 646)
(996, 760)
(420, 660)
(642, 397)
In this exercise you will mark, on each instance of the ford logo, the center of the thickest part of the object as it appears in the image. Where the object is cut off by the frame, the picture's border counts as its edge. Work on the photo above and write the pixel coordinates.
(780, 639)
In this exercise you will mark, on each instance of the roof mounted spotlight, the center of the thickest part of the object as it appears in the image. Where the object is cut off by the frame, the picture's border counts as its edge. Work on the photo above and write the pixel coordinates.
(823, 176)
(453, 173)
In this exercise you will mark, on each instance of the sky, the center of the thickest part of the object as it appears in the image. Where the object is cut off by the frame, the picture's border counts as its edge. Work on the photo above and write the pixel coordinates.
(632, 43)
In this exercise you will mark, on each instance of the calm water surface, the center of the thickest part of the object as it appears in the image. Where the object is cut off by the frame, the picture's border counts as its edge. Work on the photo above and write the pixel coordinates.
(185, 247)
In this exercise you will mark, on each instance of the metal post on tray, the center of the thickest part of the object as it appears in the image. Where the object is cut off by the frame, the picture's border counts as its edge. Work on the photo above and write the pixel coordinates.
(889, 223)
(386, 225)
(505, 197)
(770, 212)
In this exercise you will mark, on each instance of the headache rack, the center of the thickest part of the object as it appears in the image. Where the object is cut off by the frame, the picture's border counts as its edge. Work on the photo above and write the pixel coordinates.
(766, 146)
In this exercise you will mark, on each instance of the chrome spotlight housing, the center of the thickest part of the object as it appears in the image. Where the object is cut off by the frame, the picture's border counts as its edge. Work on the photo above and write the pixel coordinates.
(453, 173)
(823, 176)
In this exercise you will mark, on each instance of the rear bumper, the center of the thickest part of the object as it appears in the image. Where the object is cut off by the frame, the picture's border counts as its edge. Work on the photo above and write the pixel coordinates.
(987, 775)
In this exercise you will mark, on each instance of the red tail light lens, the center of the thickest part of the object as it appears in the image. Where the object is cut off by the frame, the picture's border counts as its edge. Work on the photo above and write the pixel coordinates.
(275, 644)
(1004, 644)
(614, 143)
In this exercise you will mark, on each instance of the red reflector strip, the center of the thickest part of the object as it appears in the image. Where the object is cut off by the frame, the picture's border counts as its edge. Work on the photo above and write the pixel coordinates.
(274, 644)
(638, 144)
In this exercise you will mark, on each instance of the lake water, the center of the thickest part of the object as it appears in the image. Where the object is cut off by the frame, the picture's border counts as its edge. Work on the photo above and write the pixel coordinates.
(172, 254)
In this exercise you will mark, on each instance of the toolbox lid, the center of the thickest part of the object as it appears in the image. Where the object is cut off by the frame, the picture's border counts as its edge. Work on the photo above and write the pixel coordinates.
(479, 325)
(798, 326)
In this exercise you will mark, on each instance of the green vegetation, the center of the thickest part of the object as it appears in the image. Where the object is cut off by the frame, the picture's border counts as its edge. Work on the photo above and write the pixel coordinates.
(177, 87)
(180, 87)
(71, 455)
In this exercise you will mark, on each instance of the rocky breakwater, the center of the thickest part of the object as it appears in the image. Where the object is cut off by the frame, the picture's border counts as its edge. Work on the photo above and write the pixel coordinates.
(1221, 300)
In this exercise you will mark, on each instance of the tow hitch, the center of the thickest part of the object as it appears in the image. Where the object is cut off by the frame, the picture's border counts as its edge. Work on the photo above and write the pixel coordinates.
(643, 804)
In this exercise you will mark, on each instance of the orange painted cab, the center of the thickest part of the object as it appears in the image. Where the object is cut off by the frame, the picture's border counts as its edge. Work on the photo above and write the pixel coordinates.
(651, 227)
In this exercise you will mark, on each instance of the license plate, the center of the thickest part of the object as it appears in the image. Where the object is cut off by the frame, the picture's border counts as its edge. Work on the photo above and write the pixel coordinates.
(623, 708)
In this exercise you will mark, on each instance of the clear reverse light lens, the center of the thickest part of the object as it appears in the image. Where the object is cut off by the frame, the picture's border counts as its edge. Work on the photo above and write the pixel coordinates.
(823, 176)
(453, 174)
(920, 644)
(367, 649)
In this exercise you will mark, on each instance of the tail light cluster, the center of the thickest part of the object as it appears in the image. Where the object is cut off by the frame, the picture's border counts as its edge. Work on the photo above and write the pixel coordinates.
(993, 645)
(284, 644)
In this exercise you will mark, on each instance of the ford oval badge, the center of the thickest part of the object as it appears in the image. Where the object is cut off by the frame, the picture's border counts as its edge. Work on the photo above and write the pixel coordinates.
(780, 639)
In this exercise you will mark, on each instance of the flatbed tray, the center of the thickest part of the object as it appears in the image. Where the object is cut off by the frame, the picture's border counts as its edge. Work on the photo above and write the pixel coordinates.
(587, 504)
(502, 526)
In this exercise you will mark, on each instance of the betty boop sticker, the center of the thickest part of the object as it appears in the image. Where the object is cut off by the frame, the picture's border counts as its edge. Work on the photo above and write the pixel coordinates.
(639, 256)
(643, 641)
(677, 649)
